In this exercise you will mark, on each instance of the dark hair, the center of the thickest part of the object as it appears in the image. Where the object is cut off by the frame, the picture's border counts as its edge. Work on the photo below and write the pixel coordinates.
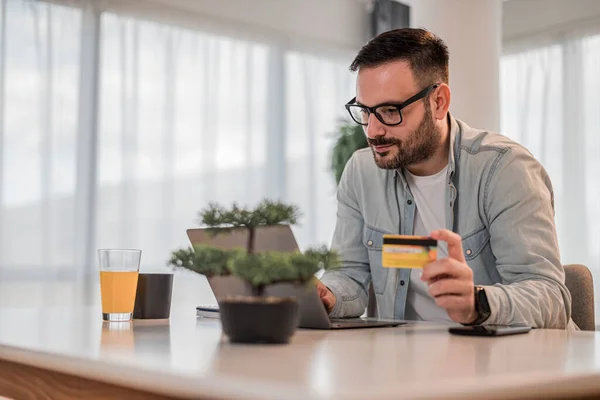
(426, 54)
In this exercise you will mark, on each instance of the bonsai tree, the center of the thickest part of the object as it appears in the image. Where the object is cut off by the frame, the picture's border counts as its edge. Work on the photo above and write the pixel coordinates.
(258, 269)
(350, 137)
(254, 271)
(212, 261)
(266, 213)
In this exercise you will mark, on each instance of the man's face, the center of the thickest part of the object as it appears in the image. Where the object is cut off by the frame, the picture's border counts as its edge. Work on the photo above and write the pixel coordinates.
(413, 141)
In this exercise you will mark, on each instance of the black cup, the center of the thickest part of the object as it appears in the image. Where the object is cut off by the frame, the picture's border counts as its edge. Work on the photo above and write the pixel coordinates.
(153, 296)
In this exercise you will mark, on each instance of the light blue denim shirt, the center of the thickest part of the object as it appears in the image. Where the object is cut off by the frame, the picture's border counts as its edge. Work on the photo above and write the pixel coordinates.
(499, 199)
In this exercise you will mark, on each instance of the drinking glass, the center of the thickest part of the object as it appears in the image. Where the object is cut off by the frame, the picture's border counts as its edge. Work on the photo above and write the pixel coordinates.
(119, 270)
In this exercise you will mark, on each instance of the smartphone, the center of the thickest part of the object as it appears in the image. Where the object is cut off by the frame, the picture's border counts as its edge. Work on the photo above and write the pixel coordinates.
(489, 330)
(208, 311)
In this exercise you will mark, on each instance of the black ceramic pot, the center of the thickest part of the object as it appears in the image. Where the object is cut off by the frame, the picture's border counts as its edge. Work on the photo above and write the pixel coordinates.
(153, 296)
(247, 319)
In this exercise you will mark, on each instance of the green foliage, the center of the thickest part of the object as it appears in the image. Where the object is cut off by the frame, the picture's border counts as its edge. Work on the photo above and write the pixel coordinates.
(257, 269)
(263, 268)
(350, 137)
(322, 257)
(267, 212)
(304, 267)
(272, 267)
(205, 260)
(182, 258)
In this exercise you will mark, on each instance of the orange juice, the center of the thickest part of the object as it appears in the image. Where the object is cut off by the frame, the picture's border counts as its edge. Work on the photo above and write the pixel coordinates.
(118, 291)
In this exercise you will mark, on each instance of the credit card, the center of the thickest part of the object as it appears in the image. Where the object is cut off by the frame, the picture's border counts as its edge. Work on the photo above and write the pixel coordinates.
(403, 251)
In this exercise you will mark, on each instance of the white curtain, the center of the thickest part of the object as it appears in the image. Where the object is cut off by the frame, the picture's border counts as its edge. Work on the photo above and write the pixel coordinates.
(182, 123)
(550, 105)
(39, 77)
(317, 89)
(184, 118)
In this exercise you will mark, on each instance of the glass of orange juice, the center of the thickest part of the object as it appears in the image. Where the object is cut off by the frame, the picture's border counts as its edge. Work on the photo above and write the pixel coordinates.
(119, 270)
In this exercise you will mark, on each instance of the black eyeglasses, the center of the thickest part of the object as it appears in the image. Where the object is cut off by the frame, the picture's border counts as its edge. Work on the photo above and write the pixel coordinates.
(389, 114)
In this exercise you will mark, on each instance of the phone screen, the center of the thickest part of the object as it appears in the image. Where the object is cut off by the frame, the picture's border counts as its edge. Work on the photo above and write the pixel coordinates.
(489, 330)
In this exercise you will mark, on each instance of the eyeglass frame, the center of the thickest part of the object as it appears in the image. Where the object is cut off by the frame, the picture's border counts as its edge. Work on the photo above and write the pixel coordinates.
(399, 106)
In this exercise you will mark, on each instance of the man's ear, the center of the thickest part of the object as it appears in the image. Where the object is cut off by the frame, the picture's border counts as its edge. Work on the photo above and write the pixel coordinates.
(440, 101)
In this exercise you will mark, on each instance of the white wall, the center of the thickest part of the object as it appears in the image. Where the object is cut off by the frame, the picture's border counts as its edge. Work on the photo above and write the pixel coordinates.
(327, 25)
(344, 24)
(472, 31)
(527, 18)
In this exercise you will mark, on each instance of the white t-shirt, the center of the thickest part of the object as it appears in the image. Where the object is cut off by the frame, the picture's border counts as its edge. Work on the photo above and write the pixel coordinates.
(429, 193)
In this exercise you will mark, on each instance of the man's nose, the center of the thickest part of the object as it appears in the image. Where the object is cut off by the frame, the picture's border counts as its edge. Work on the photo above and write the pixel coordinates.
(374, 128)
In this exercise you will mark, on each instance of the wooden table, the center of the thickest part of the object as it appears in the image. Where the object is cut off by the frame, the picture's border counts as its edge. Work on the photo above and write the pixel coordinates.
(71, 353)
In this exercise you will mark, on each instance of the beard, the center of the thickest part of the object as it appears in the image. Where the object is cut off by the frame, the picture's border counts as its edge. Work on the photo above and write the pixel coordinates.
(419, 146)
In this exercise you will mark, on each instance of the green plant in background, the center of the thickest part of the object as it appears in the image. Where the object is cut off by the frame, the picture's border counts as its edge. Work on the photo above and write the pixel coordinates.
(267, 212)
(350, 137)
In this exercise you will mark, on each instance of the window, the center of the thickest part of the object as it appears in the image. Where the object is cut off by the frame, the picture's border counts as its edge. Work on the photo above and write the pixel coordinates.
(40, 75)
(549, 104)
(182, 123)
(317, 89)
(185, 117)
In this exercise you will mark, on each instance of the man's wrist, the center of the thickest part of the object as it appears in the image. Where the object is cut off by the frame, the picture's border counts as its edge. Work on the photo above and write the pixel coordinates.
(482, 307)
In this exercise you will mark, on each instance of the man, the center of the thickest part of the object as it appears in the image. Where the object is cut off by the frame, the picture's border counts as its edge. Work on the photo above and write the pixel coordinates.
(486, 200)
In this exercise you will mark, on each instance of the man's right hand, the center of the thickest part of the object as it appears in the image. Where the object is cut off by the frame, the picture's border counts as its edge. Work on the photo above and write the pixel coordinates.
(327, 297)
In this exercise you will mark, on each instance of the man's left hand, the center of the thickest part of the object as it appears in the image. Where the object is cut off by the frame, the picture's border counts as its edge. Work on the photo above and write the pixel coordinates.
(450, 280)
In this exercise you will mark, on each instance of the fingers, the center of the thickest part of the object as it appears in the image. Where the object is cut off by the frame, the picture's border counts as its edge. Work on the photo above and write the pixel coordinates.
(450, 279)
(321, 288)
(446, 268)
(329, 302)
(323, 291)
(451, 287)
(454, 304)
(454, 241)
(327, 297)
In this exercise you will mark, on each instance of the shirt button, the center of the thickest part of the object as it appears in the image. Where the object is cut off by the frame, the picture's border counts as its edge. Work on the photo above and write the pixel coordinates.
(401, 283)
(370, 243)
(468, 252)
(409, 202)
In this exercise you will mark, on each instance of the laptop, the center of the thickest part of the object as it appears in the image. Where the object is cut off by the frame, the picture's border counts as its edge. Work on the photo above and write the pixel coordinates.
(268, 238)
(313, 314)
